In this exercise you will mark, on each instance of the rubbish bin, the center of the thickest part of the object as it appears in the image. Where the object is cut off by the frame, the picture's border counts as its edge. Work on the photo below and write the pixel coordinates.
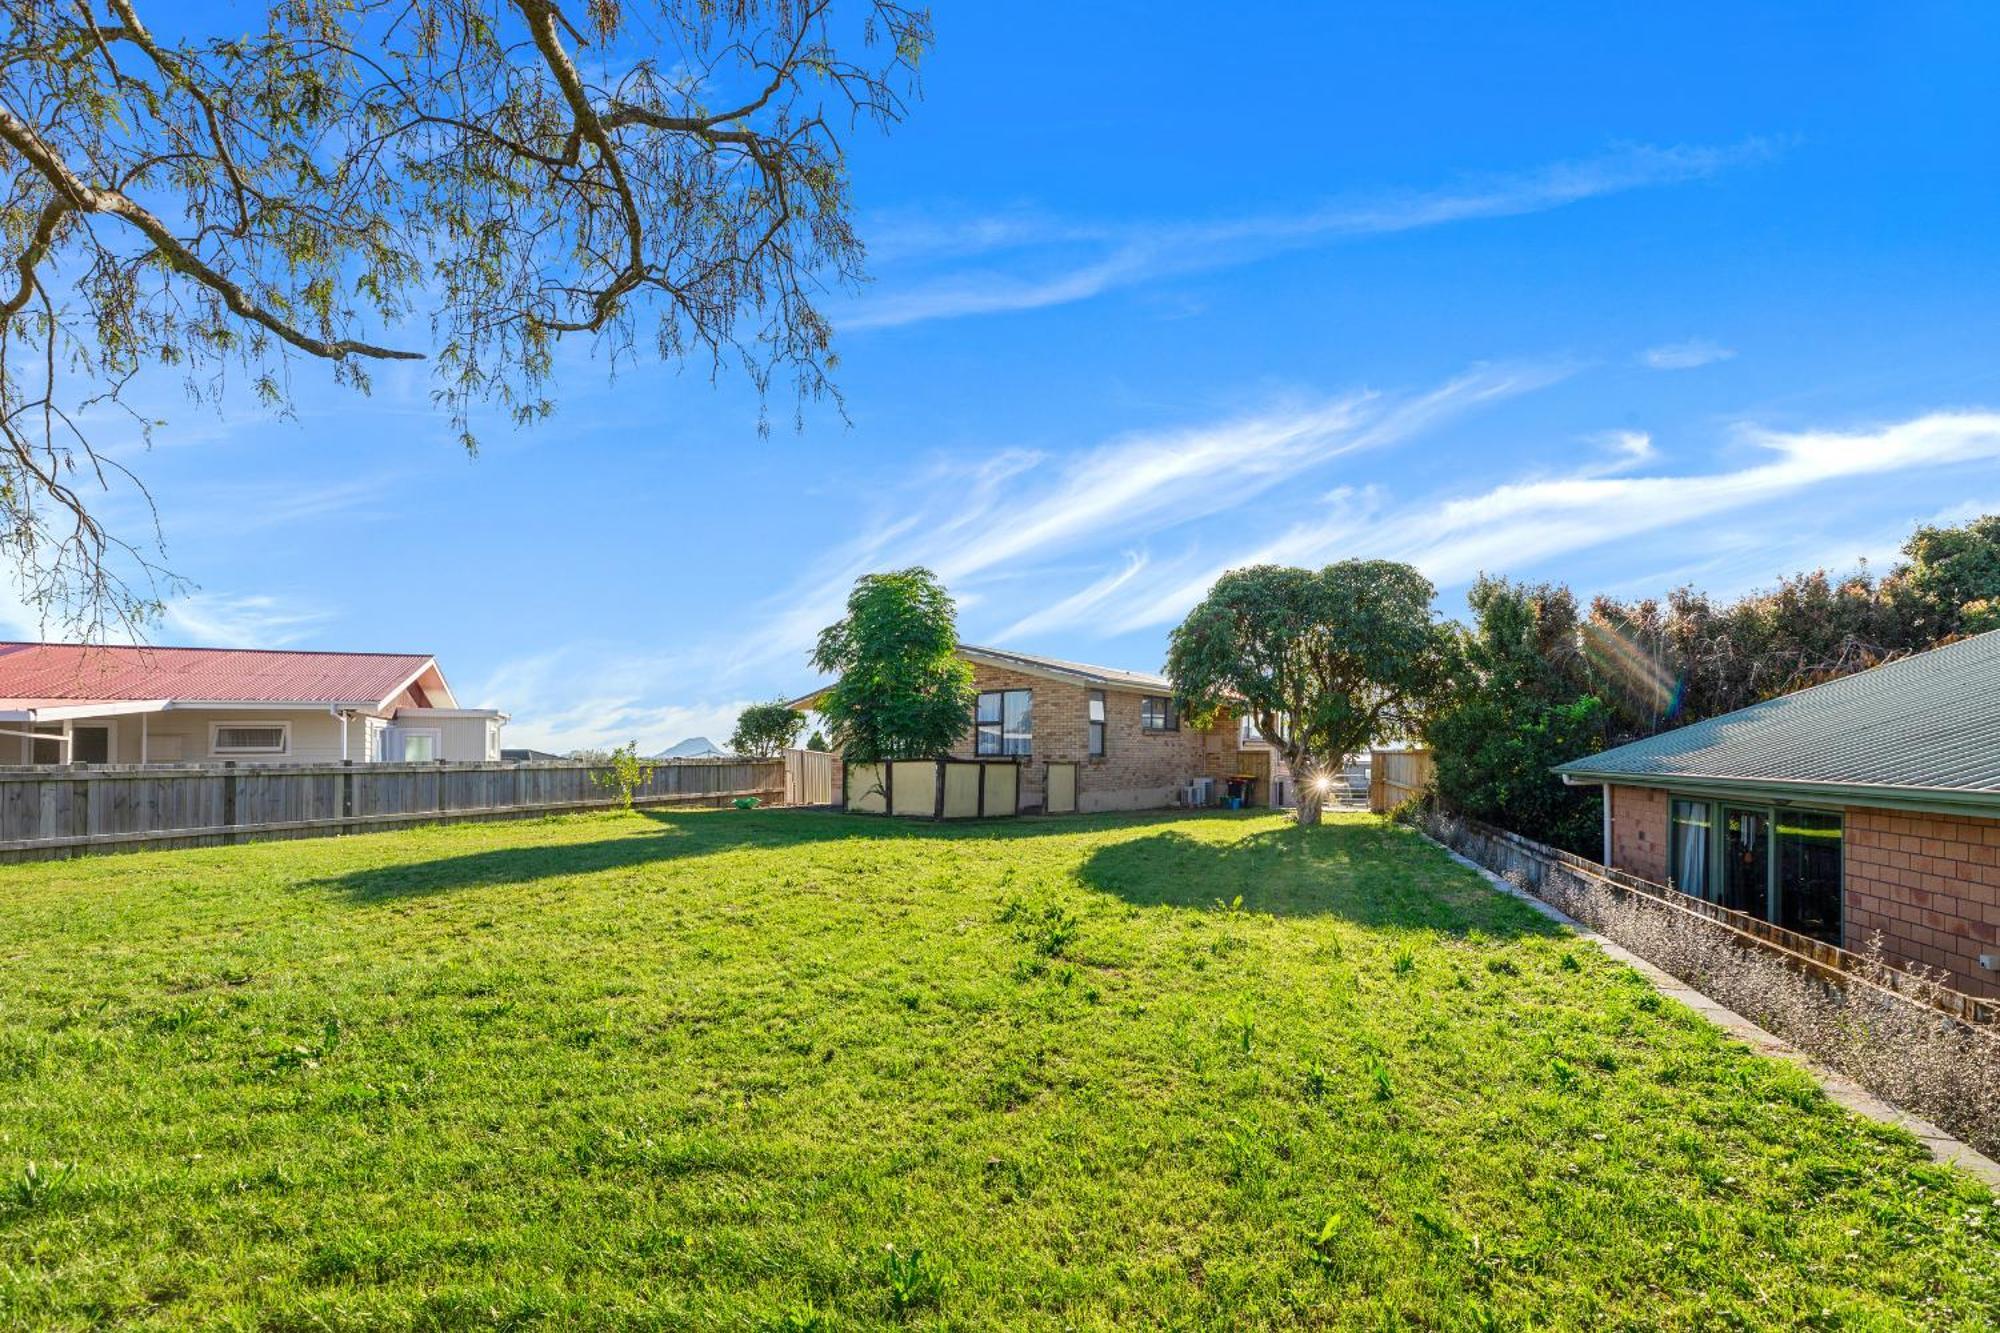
(1242, 788)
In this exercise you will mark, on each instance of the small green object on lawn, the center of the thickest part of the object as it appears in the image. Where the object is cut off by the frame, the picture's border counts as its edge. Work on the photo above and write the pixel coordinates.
(745, 803)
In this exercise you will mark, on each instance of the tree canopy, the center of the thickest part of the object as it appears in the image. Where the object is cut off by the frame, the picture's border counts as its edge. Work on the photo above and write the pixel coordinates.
(1324, 662)
(763, 730)
(1541, 682)
(351, 182)
(903, 691)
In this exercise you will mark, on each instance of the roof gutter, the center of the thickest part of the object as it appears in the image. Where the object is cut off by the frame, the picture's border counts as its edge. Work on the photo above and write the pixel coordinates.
(1786, 791)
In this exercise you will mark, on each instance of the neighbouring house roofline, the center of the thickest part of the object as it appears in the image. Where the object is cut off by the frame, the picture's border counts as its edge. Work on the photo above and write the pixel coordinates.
(1055, 668)
(1049, 668)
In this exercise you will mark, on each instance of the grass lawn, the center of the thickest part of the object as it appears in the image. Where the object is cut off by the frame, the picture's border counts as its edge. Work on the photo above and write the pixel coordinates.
(786, 1070)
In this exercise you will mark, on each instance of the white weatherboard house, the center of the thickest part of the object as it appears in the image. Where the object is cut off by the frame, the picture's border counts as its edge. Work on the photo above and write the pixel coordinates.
(106, 704)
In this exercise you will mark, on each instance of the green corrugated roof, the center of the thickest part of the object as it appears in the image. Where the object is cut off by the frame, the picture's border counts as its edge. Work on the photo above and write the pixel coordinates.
(1927, 723)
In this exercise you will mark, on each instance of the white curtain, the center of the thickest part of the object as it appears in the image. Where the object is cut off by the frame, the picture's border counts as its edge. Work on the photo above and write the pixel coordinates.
(1691, 848)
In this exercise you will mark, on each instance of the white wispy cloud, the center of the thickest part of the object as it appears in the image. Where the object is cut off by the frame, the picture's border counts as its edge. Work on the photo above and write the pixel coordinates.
(1025, 509)
(253, 620)
(1515, 525)
(1071, 261)
(1688, 355)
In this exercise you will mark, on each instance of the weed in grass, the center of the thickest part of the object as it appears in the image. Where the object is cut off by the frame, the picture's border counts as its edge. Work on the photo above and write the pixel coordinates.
(1568, 962)
(1315, 1080)
(1405, 961)
(288, 1058)
(38, 1185)
(1378, 1075)
(916, 1280)
(1333, 1248)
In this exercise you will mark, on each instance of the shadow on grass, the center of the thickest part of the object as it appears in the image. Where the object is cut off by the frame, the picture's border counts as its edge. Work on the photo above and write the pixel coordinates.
(674, 836)
(1368, 872)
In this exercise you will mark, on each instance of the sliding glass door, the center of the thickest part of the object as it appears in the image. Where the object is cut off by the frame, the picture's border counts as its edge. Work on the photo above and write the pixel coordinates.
(1781, 866)
(1746, 861)
(1808, 873)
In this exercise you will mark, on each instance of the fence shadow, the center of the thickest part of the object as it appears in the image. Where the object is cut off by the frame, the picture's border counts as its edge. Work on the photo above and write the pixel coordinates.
(1369, 872)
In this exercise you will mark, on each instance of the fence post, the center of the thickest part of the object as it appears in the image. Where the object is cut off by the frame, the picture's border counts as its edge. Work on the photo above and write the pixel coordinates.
(229, 801)
(79, 804)
(347, 793)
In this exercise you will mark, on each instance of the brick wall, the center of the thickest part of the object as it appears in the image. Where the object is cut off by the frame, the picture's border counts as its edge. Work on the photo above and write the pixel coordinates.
(1639, 831)
(1931, 885)
(1139, 769)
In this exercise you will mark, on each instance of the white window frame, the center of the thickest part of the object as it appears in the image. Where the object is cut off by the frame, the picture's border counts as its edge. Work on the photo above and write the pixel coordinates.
(215, 737)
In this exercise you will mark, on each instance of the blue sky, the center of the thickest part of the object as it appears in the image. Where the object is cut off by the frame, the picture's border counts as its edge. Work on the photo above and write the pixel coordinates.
(1626, 300)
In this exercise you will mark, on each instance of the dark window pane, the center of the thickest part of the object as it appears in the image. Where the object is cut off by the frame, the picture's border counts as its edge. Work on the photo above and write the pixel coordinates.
(1809, 867)
(1746, 862)
(987, 738)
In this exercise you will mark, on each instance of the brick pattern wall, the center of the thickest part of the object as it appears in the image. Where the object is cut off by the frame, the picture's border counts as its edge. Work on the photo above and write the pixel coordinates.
(1139, 770)
(1931, 885)
(1639, 840)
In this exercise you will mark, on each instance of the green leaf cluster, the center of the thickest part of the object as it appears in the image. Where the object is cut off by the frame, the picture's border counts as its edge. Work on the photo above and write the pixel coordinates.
(902, 692)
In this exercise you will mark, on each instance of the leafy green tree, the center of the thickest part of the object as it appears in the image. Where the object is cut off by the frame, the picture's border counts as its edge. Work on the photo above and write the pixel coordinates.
(1952, 580)
(1324, 662)
(763, 730)
(1522, 702)
(903, 691)
(817, 743)
(246, 189)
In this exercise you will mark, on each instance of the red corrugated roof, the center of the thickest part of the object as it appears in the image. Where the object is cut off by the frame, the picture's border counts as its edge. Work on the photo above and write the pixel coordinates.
(245, 675)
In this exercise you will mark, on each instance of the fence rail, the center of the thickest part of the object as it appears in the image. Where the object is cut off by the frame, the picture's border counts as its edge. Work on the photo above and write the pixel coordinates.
(77, 810)
(1396, 776)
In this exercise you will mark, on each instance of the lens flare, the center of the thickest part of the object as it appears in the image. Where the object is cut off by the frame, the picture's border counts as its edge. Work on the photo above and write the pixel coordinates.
(1643, 677)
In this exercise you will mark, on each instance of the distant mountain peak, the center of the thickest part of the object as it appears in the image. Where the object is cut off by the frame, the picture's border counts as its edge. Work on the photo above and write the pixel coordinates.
(694, 747)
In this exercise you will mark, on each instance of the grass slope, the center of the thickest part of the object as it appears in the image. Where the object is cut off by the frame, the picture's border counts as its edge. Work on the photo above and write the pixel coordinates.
(786, 1070)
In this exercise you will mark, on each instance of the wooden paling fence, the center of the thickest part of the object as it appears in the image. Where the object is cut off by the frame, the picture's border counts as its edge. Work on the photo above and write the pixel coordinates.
(1396, 776)
(76, 810)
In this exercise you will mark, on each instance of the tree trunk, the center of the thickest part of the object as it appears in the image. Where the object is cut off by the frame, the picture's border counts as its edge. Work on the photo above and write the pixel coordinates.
(1306, 777)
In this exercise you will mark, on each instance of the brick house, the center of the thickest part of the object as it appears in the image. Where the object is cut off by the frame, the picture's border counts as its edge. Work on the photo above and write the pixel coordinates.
(1132, 749)
(1866, 806)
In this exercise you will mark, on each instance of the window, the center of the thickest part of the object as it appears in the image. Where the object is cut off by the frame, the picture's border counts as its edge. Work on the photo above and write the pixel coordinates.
(1095, 713)
(250, 738)
(1809, 873)
(412, 745)
(1781, 866)
(1158, 715)
(1689, 871)
(1004, 723)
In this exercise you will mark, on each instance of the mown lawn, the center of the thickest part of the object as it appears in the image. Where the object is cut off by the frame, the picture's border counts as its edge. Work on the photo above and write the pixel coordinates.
(785, 1070)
